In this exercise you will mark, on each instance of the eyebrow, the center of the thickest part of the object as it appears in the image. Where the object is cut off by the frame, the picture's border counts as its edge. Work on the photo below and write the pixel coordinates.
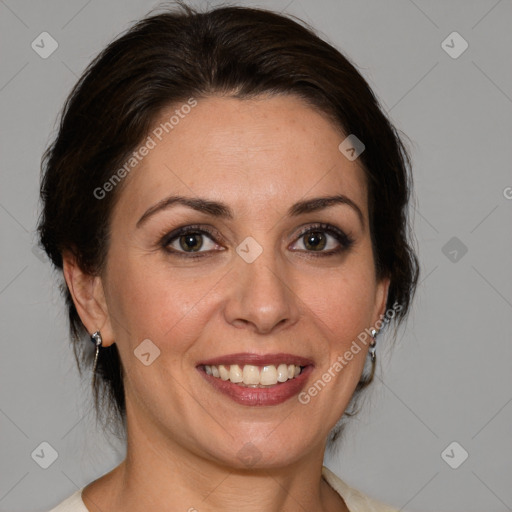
(223, 211)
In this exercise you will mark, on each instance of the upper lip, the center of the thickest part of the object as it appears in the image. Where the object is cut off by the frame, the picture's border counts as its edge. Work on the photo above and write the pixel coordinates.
(257, 359)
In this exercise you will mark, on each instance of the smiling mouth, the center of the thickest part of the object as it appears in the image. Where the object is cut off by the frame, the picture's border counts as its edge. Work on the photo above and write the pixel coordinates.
(253, 376)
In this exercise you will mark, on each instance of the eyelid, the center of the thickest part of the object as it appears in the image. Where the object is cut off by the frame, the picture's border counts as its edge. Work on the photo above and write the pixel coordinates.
(344, 239)
(201, 229)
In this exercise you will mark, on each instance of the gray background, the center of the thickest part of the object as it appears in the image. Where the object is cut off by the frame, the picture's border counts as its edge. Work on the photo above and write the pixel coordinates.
(448, 378)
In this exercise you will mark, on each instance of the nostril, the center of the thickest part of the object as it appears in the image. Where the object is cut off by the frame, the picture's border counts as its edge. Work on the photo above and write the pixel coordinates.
(240, 322)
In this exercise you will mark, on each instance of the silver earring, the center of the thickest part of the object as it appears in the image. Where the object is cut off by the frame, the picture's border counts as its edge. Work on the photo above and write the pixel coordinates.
(97, 340)
(373, 345)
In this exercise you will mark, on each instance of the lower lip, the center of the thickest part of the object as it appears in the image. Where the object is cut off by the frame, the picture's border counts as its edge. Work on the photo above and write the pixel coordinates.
(260, 396)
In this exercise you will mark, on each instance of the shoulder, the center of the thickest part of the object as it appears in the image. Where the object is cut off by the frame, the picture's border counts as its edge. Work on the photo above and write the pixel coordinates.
(356, 501)
(72, 504)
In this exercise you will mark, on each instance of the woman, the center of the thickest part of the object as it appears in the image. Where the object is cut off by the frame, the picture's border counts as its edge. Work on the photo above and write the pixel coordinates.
(228, 205)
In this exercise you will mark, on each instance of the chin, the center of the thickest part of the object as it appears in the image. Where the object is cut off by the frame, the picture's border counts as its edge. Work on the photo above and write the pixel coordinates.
(263, 450)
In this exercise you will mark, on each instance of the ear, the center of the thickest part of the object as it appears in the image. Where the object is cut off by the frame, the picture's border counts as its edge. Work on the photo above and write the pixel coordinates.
(381, 299)
(89, 299)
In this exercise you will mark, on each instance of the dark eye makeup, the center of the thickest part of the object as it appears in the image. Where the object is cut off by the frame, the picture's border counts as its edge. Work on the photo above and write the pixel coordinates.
(190, 239)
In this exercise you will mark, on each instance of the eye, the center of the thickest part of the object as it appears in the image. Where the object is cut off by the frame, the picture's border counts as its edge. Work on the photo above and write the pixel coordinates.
(324, 239)
(190, 240)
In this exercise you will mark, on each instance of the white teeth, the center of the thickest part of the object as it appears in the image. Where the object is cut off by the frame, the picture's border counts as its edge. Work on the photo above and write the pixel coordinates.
(224, 372)
(251, 374)
(268, 376)
(254, 376)
(235, 374)
(282, 373)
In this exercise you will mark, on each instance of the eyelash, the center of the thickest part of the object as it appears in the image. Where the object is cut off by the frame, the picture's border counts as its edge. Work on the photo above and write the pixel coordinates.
(345, 241)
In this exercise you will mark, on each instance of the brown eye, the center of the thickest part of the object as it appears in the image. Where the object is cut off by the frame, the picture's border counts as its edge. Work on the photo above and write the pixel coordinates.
(315, 241)
(323, 239)
(191, 241)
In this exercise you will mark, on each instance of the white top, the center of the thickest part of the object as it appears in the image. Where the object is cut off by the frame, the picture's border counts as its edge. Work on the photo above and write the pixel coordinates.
(355, 500)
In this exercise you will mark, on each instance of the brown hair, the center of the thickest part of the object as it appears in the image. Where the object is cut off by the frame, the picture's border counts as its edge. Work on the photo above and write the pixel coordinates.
(180, 53)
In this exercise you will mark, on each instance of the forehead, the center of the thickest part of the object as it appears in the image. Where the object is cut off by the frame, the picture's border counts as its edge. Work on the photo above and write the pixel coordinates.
(249, 153)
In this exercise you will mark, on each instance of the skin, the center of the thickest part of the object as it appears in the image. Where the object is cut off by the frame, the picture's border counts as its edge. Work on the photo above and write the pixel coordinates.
(258, 156)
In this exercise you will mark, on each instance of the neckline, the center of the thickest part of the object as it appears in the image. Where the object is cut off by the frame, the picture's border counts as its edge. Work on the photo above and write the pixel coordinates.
(332, 480)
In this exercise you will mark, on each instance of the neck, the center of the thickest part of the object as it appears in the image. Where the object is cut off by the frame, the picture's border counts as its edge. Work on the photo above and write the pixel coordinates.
(159, 475)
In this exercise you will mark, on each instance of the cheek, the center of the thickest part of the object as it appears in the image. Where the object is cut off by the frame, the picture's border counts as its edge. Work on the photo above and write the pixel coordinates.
(340, 311)
(155, 302)
(343, 301)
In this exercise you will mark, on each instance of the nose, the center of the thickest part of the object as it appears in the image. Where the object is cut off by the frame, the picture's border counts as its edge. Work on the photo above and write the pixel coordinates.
(261, 296)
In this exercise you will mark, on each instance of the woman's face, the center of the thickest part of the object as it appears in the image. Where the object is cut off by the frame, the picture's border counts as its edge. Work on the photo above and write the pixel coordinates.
(266, 274)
